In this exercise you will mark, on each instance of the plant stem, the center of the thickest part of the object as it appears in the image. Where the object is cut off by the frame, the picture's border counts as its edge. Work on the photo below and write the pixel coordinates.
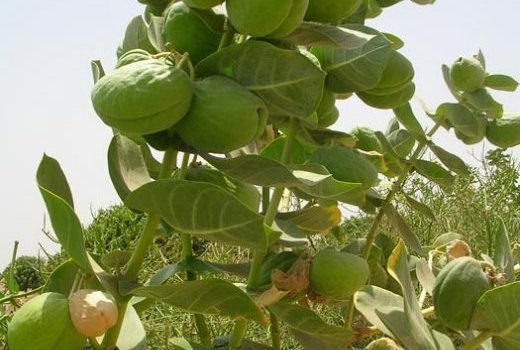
(10, 298)
(240, 328)
(139, 253)
(479, 339)
(275, 332)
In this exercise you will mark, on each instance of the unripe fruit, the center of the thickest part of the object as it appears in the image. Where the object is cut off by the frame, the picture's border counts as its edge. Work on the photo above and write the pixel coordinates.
(456, 291)
(92, 312)
(184, 31)
(43, 323)
(467, 74)
(202, 4)
(224, 116)
(143, 97)
(337, 275)
(504, 132)
(330, 11)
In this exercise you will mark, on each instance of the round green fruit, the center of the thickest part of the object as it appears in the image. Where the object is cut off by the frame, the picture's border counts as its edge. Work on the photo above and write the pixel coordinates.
(143, 97)
(185, 31)
(467, 74)
(202, 4)
(331, 11)
(504, 132)
(293, 19)
(43, 323)
(458, 286)
(258, 17)
(337, 275)
(132, 56)
(346, 164)
(224, 116)
(389, 101)
(398, 73)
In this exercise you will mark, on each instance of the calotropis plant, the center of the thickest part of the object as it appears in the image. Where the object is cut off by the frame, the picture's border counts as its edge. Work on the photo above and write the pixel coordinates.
(249, 88)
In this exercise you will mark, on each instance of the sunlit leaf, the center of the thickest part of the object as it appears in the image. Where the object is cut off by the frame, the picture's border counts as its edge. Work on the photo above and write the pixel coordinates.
(208, 296)
(51, 177)
(201, 209)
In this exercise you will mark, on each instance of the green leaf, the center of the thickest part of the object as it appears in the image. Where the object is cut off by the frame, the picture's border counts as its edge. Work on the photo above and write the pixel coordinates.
(325, 35)
(356, 69)
(288, 82)
(398, 268)
(62, 278)
(434, 172)
(136, 37)
(498, 310)
(51, 177)
(397, 42)
(274, 150)
(407, 118)
(154, 32)
(315, 219)
(97, 70)
(450, 160)
(402, 141)
(208, 296)
(255, 170)
(445, 238)
(501, 82)
(425, 275)
(64, 221)
(420, 207)
(482, 100)
(310, 330)
(404, 230)
(126, 165)
(132, 335)
(503, 257)
(201, 209)
(316, 136)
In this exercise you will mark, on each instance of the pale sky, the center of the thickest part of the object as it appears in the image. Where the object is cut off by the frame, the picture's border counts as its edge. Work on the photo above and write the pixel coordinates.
(46, 81)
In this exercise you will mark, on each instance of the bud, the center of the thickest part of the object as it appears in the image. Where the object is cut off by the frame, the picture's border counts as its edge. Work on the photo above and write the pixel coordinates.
(457, 248)
(92, 312)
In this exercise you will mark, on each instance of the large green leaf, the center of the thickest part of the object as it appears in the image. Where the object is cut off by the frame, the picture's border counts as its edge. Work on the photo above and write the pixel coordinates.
(451, 161)
(503, 257)
(355, 69)
(434, 172)
(51, 177)
(498, 311)
(288, 82)
(274, 150)
(500, 82)
(201, 209)
(325, 35)
(208, 296)
(310, 330)
(398, 268)
(126, 165)
(402, 227)
(62, 278)
(406, 117)
(64, 221)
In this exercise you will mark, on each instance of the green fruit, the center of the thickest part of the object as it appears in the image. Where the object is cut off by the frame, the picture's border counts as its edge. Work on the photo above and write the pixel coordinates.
(258, 17)
(185, 31)
(504, 132)
(327, 113)
(337, 275)
(367, 140)
(143, 97)
(467, 74)
(43, 323)
(224, 116)
(482, 101)
(246, 193)
(132, 56)
(331, 11)
(293, 19)
(202, 4)
(457, 289)
(160, 141)
(346, 165)
(398, 73)
(392, 100)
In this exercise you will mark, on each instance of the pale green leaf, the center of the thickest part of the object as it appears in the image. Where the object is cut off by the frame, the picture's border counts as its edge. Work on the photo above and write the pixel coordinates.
(402, 227)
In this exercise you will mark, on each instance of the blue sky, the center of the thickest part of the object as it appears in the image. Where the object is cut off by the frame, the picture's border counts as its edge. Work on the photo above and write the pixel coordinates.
(46, 82)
